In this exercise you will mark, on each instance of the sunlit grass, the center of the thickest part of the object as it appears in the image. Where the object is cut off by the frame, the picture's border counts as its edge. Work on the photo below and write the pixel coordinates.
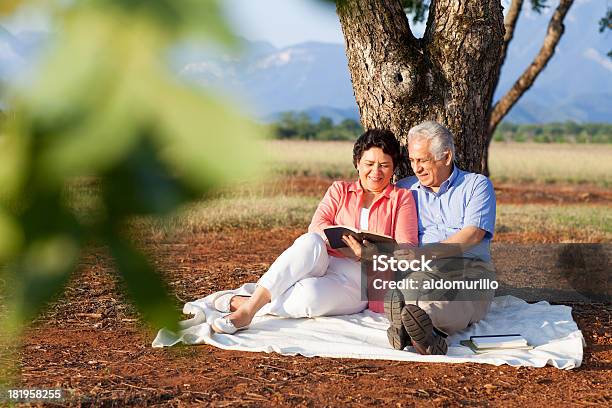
(576, 222)
(552, 163)
(282, 200)
(308, 158)
(586, 223)
(237, 212)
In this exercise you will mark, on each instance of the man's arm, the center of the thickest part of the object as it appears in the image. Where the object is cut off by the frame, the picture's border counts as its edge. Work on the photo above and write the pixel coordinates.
(468, 236)
(479, 220)
(453, 246)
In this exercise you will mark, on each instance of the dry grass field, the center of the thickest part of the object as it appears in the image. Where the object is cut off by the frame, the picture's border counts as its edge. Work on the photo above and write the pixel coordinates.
(510, 162)
(299, 172)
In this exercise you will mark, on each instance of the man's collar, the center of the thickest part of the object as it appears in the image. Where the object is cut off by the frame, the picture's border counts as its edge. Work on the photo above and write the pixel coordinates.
(445, 184)
(449, 181)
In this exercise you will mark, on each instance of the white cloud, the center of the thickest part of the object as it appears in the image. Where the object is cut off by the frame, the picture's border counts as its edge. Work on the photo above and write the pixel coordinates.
(602, 60)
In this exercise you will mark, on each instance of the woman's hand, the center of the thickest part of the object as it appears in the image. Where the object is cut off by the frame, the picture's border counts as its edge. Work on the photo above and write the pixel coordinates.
(355, 248)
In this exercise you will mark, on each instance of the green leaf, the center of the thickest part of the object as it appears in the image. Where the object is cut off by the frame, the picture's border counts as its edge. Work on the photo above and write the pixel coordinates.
(14, 160)
(144, 285)
(143, 184)
(538, 5)
(43, 271)
(202, 18)
(11, 236)
(207, 142)
(85, 115)
(417, 8)
(105, 105)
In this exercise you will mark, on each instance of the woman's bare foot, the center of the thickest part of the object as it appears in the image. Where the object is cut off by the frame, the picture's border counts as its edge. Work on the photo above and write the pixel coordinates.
(237, 301)
(246, 308)
(241, 317)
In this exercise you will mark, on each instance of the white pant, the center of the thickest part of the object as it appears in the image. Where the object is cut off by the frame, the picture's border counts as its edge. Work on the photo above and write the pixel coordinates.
(305, 282)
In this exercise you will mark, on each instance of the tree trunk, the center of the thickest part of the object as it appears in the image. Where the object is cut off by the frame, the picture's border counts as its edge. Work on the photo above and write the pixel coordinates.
(448, 76)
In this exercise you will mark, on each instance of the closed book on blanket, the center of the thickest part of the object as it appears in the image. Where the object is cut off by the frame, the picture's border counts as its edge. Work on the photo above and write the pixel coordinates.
(484, 344)
(334, 236)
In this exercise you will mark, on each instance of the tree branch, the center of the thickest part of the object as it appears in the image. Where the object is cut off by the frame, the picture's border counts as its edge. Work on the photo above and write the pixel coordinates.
(510, 24)
(383, 13)
(525, 81)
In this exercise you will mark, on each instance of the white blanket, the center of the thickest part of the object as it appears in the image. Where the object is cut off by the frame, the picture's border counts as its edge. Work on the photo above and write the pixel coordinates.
(550, 329)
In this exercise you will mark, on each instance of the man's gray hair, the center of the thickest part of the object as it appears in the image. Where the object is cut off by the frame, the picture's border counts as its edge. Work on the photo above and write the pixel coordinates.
(440, 137)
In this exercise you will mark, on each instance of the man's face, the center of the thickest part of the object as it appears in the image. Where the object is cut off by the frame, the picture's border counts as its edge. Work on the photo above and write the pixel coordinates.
(430, 172)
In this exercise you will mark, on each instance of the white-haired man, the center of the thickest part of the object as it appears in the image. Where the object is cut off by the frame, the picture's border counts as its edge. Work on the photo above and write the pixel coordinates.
(454, 207)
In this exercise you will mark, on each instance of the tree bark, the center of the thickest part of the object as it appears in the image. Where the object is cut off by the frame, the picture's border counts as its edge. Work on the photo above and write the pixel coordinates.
(448, 76)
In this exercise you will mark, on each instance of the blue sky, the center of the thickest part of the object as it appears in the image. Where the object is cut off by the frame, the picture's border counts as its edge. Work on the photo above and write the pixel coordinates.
(284, 22)
(280, 22)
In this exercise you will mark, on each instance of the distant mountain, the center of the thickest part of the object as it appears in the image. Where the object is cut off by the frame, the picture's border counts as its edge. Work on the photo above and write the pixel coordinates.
(577, 82)
(314, 77)
(275, 80)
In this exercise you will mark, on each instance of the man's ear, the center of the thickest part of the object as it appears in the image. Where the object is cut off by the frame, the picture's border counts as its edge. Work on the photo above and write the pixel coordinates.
(449, 158)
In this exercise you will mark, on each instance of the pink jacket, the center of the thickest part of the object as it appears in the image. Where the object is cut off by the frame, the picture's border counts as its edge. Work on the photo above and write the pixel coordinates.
(394, 214)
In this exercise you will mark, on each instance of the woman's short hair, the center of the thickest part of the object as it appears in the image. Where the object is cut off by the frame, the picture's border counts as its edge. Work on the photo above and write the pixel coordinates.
(440, 138)
(384, 139)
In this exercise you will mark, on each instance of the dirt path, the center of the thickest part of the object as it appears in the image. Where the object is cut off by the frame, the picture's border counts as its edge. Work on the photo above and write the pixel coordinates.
(90, 343)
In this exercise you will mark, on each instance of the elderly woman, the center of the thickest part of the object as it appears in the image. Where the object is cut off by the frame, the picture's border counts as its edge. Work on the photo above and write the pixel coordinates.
(310, 279)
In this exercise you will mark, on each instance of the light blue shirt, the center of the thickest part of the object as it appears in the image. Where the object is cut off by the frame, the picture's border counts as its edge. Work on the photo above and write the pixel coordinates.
(464, 199)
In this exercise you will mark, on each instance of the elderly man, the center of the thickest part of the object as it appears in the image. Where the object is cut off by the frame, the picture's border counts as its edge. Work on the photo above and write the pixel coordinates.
(454, 207)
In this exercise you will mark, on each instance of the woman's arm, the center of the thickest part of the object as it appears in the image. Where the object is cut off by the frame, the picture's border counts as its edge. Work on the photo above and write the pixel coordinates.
(325, 214)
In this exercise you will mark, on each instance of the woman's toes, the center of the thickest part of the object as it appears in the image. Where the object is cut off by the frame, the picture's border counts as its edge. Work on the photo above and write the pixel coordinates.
(240, 319)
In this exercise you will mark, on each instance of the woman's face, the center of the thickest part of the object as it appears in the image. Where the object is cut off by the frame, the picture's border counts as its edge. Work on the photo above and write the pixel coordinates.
(375, 170)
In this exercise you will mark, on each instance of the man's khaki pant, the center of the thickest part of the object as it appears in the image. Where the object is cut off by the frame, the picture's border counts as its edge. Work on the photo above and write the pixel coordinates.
(453, 310)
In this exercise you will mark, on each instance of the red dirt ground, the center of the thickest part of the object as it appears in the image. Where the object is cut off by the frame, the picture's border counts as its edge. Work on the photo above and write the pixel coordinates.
(91, 344)
(505, 193)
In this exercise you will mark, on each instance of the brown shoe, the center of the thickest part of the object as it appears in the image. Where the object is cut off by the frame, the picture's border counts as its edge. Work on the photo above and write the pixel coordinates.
(396, 334)
(419, 327)
(398, 338)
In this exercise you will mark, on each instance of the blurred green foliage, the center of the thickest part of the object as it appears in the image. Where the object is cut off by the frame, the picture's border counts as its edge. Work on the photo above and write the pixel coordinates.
(104, 104)
(9, 6)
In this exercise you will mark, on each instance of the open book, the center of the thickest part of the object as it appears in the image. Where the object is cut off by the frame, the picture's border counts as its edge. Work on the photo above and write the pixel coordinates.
(484, 344)
(334, 236)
